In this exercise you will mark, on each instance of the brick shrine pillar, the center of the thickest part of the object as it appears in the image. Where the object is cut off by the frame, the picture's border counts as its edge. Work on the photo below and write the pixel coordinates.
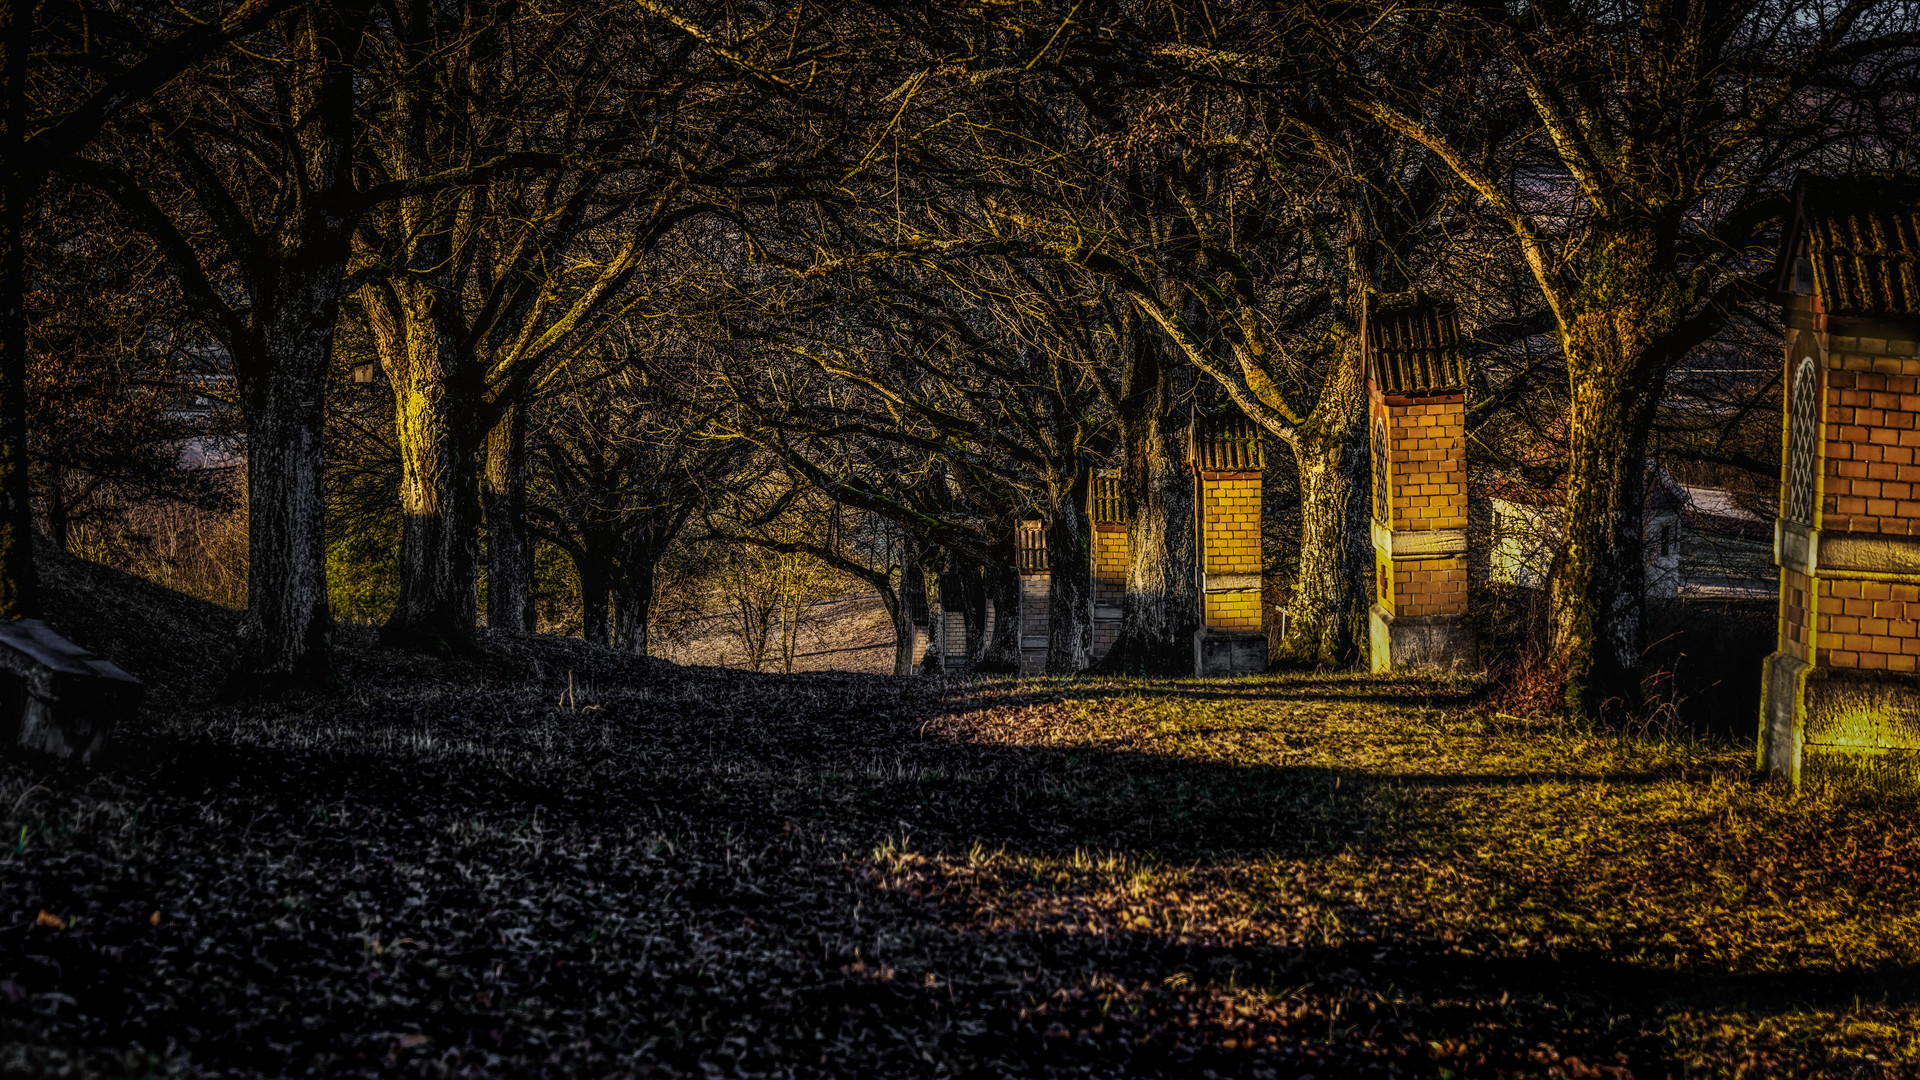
(1840, 691)
(1227, 460)
(1416, 417)
(1109, 559)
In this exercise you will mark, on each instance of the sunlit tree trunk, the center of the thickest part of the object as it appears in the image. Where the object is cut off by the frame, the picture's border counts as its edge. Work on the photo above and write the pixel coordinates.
(1327, 614)
(440, 519)
(1630, 299)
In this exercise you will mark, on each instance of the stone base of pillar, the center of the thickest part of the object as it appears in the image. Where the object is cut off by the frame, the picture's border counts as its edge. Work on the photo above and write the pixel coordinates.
(1216, 652)
(1033, 654)
(1831, 722)
(1407, 643)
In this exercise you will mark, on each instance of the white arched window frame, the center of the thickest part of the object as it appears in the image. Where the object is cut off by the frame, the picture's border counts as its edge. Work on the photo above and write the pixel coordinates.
(1803, 437)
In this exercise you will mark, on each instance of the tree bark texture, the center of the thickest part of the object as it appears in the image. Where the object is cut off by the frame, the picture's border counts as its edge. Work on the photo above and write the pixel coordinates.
(904, 660)
(1598, 598)
(440, 516)
(418, 327)
(290, 626)
(913, 604)
(1613, 335)
(633, 602)
(1327, 614)
(596, 589)
(509, 549)
(1160, 611)
(18, 583)
(281, 363)
(1070, 577)
(973, 609)
(1000, 581)
(963, 596)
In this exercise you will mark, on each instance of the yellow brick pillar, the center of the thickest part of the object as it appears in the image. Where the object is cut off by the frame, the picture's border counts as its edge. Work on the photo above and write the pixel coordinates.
(1227, 462)
(1036, 595)
(1109, 559)
(1416, 417)
(1840, 692)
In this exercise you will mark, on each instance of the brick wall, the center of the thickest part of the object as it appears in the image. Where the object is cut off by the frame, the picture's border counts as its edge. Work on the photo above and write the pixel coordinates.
(1872, 479)
(1109, 564)
(1869, 624)
(1234, 612)
(1427, 445)
(1035, 594)
(1429, 586)
(1795, 608)
(1231, 524)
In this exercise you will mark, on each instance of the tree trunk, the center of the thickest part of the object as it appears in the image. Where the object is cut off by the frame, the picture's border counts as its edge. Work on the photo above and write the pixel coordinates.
(1000, 584)
(1598, 598)
(973, 606)
(963, 596)
(1327, 615)
(913, 600)
(633, 603)
(1629, 302)
(59, 515)
(904, 660)
(509, 549)
(440, 518)
(290, 628)
(1160, 610)
(281, 369)
(1070, 577)
(596, 587)
(19, 589)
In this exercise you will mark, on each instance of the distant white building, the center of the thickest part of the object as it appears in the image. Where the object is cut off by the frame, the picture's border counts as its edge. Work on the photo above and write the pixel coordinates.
(1527, 531)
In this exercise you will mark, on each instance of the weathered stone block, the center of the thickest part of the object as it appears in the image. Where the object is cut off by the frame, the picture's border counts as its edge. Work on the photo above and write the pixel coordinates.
(59, 698)
(1407, 642)
(1216, 653)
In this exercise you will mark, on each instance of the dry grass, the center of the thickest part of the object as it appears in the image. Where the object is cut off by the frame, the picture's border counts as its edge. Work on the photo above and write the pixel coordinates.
(460, 871)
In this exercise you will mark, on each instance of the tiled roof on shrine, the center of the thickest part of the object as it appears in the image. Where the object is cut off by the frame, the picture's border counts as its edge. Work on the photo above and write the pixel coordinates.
(1413, 345)
(1863, 238)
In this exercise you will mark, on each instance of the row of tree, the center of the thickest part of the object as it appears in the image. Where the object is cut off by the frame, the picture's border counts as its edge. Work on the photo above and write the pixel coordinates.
(932, 265)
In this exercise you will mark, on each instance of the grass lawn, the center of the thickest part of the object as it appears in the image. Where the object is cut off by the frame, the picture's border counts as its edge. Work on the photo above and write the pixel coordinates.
(452, 871)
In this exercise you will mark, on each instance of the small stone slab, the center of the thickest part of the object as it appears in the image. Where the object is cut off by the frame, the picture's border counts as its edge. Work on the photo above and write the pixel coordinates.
(56, 697)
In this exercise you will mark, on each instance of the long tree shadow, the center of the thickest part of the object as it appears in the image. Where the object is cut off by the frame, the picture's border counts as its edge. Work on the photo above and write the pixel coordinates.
(719, 771)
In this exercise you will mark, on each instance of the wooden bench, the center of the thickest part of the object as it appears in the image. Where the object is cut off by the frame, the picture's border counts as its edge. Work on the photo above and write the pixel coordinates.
(56, 697)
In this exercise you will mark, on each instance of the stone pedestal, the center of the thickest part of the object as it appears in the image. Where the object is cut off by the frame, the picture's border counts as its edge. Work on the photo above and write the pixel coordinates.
(1443, 642)
(56, 697)
(1219, 653)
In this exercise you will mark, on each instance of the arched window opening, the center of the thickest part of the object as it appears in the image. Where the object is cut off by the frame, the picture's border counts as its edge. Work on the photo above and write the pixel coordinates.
(1380, 472)
(1803, 434)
